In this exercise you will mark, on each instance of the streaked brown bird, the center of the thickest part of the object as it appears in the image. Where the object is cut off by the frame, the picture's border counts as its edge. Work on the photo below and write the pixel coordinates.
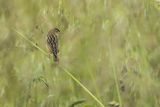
(52, 43)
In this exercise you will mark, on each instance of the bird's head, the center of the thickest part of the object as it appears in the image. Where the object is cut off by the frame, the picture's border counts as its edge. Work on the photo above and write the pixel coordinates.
(56, 31)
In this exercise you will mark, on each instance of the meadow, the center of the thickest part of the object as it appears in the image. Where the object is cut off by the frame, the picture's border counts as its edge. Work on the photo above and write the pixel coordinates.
(109, 53)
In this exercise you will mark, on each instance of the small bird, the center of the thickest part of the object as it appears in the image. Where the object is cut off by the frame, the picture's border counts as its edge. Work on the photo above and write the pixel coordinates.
(52, 43)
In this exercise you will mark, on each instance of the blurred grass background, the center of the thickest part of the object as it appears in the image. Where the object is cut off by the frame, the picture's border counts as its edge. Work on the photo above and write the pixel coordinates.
(102, 42)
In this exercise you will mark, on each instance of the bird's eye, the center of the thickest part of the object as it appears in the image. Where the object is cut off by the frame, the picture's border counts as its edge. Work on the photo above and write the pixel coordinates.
(57, 30)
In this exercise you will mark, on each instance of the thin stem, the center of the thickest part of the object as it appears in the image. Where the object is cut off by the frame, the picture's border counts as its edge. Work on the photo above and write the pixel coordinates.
(115, 77)
(20, 34)
(77, 81)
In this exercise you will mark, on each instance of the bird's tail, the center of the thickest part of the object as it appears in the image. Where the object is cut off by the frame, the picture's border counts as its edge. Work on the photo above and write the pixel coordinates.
(56, 59)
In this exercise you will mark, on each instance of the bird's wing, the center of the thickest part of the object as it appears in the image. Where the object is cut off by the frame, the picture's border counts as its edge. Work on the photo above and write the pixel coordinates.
(53, 43)
(56, 43)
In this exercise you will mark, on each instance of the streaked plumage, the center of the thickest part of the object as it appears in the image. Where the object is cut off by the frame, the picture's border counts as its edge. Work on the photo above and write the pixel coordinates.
(52, 42)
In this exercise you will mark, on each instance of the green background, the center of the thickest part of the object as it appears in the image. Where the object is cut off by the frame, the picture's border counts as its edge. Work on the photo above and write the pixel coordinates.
(111, 46)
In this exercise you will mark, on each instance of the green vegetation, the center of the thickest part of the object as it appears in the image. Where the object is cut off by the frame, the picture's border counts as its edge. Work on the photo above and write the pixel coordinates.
(109, 53)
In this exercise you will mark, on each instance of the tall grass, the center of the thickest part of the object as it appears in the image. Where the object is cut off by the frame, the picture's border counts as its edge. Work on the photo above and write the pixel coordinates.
(64, 69)
(110, 48)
